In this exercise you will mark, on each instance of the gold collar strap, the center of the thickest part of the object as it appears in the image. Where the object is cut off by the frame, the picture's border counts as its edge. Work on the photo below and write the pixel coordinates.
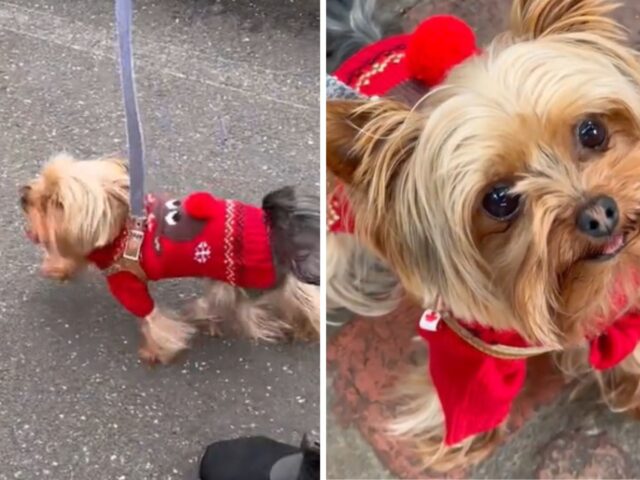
(506, 352)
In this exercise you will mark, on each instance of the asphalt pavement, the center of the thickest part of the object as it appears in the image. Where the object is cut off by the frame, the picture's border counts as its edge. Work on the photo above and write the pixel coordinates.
(228, 92)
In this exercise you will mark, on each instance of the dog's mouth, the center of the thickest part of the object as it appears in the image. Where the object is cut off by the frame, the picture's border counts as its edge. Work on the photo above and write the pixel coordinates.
(31, 235)
(613, 246)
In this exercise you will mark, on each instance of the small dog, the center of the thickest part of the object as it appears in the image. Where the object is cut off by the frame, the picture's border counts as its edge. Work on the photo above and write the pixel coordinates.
(78, 212)
(507, 201)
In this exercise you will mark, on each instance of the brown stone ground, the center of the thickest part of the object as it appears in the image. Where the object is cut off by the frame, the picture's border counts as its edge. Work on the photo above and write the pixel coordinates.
(551, 435)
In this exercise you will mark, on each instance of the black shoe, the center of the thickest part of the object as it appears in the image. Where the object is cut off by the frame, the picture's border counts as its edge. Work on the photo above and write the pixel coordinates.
(261, 458)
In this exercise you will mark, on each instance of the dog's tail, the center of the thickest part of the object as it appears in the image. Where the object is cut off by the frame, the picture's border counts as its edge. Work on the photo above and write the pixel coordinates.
(294, 220)
(352, 24)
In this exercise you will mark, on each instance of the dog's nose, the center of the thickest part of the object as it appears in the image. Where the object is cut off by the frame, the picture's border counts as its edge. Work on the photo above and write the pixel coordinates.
(599, 217)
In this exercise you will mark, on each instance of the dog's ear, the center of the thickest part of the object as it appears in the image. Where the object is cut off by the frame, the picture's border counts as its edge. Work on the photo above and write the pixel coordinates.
(369, 146)
(369, 141)
(343, 126)
(532, 19)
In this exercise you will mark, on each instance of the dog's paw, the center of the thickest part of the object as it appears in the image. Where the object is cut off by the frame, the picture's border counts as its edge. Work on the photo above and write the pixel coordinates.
(148, 356)
(260, 325)
(58, 268)
(152, 356)
(213, 328)
(163, 338)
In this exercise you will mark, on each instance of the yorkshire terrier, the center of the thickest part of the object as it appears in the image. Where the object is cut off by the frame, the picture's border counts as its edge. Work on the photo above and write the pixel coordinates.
(506, 202)
(78, 212)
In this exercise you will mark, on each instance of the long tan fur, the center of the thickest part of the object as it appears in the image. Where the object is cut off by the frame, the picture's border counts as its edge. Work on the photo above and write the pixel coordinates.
(163, 337)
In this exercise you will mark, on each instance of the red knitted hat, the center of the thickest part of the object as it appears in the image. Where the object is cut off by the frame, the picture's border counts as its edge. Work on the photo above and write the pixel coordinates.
(411, 62)
(404, 67)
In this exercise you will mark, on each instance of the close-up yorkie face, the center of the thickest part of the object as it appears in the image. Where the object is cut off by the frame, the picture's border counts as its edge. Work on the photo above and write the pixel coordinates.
(512, 189)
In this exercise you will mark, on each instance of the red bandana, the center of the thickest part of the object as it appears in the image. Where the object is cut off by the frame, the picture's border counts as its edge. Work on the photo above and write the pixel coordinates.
(476, 390)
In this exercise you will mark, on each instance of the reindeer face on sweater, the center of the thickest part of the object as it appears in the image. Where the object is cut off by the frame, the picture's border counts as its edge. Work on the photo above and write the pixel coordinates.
(175, 223)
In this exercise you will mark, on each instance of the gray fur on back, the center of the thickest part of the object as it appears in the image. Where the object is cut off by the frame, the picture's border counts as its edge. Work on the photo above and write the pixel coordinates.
(352, 24)
(294, 220)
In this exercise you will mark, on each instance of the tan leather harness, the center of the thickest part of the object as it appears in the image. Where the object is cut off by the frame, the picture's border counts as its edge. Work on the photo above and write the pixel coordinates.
(122, 262)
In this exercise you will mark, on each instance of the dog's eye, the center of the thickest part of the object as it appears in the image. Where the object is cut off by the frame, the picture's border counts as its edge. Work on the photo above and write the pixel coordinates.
(172, 218)
(500, 204)
(592, 134)
(172, 204)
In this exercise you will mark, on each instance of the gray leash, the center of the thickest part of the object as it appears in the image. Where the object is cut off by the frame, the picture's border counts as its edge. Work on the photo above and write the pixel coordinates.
(135, 143)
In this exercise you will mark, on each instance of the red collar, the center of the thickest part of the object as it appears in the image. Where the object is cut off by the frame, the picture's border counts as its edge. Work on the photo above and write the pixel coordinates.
(105, 257)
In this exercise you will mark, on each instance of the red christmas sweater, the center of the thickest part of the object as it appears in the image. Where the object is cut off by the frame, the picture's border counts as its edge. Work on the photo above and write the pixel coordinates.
(198, 236)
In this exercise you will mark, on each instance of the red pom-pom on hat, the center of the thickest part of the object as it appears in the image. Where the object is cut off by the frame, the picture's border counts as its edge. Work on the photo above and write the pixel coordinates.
(436, 46)
(201, 205)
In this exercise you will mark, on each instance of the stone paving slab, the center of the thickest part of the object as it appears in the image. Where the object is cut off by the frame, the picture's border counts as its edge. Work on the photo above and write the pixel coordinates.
(555, 431)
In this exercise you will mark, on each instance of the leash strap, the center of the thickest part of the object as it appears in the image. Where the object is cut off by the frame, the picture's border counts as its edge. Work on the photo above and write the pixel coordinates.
(124, 20)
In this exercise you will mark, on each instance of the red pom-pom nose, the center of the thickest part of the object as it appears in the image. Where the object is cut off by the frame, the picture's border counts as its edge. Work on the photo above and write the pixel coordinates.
(436, 46)
(201, 205)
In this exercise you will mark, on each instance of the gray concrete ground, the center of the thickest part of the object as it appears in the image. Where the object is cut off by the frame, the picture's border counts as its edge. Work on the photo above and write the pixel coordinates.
(229, 96)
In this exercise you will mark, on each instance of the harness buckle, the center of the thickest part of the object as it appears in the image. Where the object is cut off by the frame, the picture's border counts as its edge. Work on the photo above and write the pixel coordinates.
(134, 240)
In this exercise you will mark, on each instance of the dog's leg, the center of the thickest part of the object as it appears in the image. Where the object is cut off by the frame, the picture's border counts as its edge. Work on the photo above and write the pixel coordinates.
(293, 309)
(163, 337)
(259, 318)
(224, 302)
(290, 311)
(214, 307)
(302, 301)
(420, 422)
(299, 304)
